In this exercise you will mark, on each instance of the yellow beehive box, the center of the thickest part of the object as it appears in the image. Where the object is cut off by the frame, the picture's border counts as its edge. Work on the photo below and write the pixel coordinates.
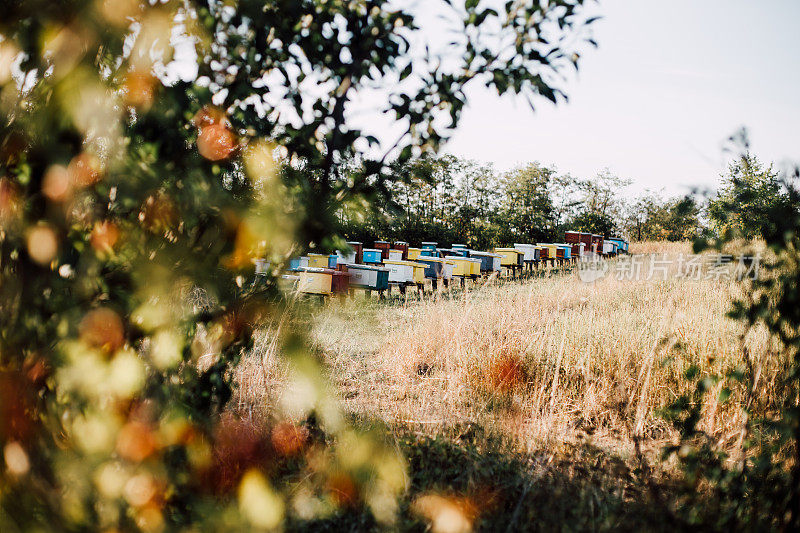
(317, 261)
(475, 267)
(509, 256)
(463, 266)
(315, 281)
(419, 272)
(413, 253)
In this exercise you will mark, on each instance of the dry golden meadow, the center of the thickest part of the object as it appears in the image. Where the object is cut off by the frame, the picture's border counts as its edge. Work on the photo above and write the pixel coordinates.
(550, 366)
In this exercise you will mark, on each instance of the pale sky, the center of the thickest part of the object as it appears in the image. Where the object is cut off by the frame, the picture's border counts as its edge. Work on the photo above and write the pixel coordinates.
(655, 102)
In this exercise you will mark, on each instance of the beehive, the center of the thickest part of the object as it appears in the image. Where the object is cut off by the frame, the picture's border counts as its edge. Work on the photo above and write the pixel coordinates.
(552, 250)
(403, 247)
(528, 251)
(489, 262)
(395, 255)
(375, 278)
(447, 266)
(298, 262)
(358, 249)
(317, 261)
(340, 283)
(414, 272)
(447, 269)
(345, 257)
(511, 257)
(621, 245)
(544, 252)
(475, 266)
(384, 247)
(434, 268)
(578, 249)
(400, 271)
(315, 281)
(430, 245)
(572, 237)
(567, 249)
(462, 266)
(597, 243)
(610, 247)
(413, 253)
(372, 256)
(419, 271)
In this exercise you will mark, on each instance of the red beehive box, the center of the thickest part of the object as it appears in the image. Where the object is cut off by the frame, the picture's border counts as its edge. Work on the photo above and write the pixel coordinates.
(586, 238)
(572, 237)
(403, 247)
(359, 249)
(384, 247)
(544, 253)
(340, 283)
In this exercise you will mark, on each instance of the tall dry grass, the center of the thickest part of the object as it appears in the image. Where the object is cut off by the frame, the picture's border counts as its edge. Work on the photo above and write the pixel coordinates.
(661, 247)
(541, 361)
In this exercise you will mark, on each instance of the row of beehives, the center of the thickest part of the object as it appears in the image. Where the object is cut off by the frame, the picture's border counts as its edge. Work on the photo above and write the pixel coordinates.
(597, 243)
(398, 264)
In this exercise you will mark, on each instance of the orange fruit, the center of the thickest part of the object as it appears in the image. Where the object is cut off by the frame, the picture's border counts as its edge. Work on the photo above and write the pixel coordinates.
(216, 142)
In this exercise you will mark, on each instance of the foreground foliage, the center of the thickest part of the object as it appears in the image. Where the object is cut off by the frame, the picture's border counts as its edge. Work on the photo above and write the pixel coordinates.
(755, 484)
(134, 197)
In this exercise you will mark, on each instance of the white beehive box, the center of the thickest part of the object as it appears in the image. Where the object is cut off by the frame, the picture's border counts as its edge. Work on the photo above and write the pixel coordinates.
(528, 251)
(400, 271)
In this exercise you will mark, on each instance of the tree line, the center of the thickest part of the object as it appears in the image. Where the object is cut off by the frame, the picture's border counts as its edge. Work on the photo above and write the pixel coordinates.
(448, 199)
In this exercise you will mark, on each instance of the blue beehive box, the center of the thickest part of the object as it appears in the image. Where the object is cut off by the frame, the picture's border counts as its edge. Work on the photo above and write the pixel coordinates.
(622, 245)
(333, 259)
(298, 262)
(489, 262)
(567, 250)
(433, 269)
(372, 255)
(429, 245)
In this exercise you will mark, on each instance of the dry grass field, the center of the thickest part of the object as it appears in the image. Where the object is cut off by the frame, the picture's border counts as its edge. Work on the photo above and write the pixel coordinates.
(551, 366)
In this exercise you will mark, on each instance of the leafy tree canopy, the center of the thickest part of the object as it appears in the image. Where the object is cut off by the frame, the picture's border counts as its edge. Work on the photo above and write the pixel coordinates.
(748, 199)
